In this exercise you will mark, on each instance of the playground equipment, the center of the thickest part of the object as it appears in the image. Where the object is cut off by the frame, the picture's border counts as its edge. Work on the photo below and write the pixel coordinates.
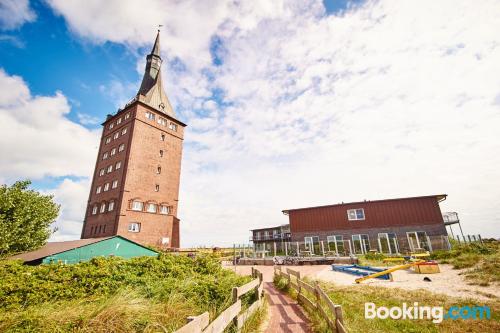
(363, 271)
(387, 271)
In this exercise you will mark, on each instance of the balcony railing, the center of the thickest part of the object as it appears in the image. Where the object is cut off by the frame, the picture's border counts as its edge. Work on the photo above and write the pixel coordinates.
(275, 237)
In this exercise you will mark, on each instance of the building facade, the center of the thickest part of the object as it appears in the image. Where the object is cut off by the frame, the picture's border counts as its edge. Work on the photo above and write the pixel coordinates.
(135, 187)
(268, 239)
(388, 226)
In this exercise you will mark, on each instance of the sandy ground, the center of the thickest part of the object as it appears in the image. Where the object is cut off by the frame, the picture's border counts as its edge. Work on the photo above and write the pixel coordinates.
(448, 282)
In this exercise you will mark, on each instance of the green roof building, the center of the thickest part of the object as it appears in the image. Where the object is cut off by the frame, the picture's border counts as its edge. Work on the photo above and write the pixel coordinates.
(71, 252)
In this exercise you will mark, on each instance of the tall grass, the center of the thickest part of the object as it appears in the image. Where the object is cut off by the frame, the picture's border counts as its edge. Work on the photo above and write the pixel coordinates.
(113, 295)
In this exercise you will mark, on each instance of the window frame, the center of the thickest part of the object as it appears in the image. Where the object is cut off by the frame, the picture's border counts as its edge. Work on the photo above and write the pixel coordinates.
(114, 184)
(121, 147)
(152, 204)
(118, 165)
(137, 224)
(111, 206)
(356, 218)
(132, 207)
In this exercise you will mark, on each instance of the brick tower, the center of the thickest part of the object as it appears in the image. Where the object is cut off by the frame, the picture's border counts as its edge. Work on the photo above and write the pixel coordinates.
(135, 187)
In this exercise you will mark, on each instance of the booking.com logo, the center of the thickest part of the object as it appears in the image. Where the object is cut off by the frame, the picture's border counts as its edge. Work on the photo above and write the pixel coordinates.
(436, 313)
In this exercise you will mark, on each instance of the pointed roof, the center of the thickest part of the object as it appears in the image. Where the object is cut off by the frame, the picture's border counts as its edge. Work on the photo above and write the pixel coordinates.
(151, 91)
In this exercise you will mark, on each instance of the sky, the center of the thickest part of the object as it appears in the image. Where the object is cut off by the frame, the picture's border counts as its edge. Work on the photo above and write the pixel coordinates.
(288, 103)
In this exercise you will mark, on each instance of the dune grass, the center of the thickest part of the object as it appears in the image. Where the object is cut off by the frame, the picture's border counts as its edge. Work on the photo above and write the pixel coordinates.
(113, 295)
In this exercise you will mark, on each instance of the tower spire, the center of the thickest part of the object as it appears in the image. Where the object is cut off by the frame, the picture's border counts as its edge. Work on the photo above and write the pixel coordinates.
(151, 91)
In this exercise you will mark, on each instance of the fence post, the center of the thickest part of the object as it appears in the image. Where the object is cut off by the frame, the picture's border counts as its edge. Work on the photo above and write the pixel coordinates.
(316, 294)
(286, 249)
(338, 317)
(480, 239)
(234, 300)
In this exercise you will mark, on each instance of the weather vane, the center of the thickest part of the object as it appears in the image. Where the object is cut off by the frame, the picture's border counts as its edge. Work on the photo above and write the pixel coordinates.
(159, 26)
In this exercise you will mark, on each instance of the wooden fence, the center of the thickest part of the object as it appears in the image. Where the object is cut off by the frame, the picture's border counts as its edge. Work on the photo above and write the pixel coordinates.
(314, 298)
(200, 324)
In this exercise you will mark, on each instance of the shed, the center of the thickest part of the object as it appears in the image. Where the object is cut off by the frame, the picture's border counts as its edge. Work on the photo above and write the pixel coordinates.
(71, 252)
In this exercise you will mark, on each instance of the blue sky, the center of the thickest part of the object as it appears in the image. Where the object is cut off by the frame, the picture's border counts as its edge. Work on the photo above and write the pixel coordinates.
(346, 100)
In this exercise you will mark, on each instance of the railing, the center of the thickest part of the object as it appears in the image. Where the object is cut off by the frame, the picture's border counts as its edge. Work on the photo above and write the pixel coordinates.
(320, 302)
(200, 324)
(285, 236)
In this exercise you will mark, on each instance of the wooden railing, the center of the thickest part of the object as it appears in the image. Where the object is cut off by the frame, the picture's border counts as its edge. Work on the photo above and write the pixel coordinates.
(200, 324)
(314, 298)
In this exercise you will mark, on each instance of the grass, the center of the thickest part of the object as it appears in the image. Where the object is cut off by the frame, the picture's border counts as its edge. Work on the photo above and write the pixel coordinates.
(352, 301)
(481, 261)
(113, 295)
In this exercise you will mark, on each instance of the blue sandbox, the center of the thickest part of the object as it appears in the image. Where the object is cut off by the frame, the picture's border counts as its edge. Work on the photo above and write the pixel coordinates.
(361, 270)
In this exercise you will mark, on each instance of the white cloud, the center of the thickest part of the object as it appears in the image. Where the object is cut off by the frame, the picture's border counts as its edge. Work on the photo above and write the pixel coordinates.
(86, 119)
(389, 99)
(72, 196)
(37, 138)
(14, 13)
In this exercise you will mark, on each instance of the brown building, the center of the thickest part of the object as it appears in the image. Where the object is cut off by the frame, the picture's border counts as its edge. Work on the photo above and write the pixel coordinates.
(388, 226)
(135, 187)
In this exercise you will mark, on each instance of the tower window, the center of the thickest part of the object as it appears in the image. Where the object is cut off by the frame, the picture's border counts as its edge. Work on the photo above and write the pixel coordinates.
(150, 115)
(111, 206)
(101, 172)
(173, 126)
(158, 171)
(124, 131)
(134, 227)
(118, 165)
(161, 153)
(164, 209)
(94, 210)
(137, 205)
(162, 137)
(106, 187)
(127, 115)
(103, 207)
(116, 135)
(111, 125)
(119, 121)
(162, 121)
(113, 151)
(108, 140)
(157, 187)
(98, 190)
(105, 156)
(115, 184)
(151, 208)
(121, 147)
(110, 168)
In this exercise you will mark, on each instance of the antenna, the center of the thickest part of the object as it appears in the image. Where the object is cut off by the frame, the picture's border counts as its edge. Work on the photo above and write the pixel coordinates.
(159, 26)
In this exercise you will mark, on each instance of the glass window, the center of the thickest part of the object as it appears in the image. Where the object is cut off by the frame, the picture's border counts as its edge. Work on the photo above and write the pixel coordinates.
(113, 151)
(137, 205)
(124, 131)
(356, 214)
(118, 165)
(116, 135)
(101, 172)
(162, 121)
(150, 115)
(106, 187)
(134, 227)
(173, 126)
(111, 206)
(110, 168)
(98, 190)
(165, 209)
(361, 243)
(115, 184)
(119, 121)
(108, 140)
(121, 147)
(103, 207)
(94, 210)
(157, 187)
(105, 156)
(151, 208)
(127, 115)
(111, 125)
